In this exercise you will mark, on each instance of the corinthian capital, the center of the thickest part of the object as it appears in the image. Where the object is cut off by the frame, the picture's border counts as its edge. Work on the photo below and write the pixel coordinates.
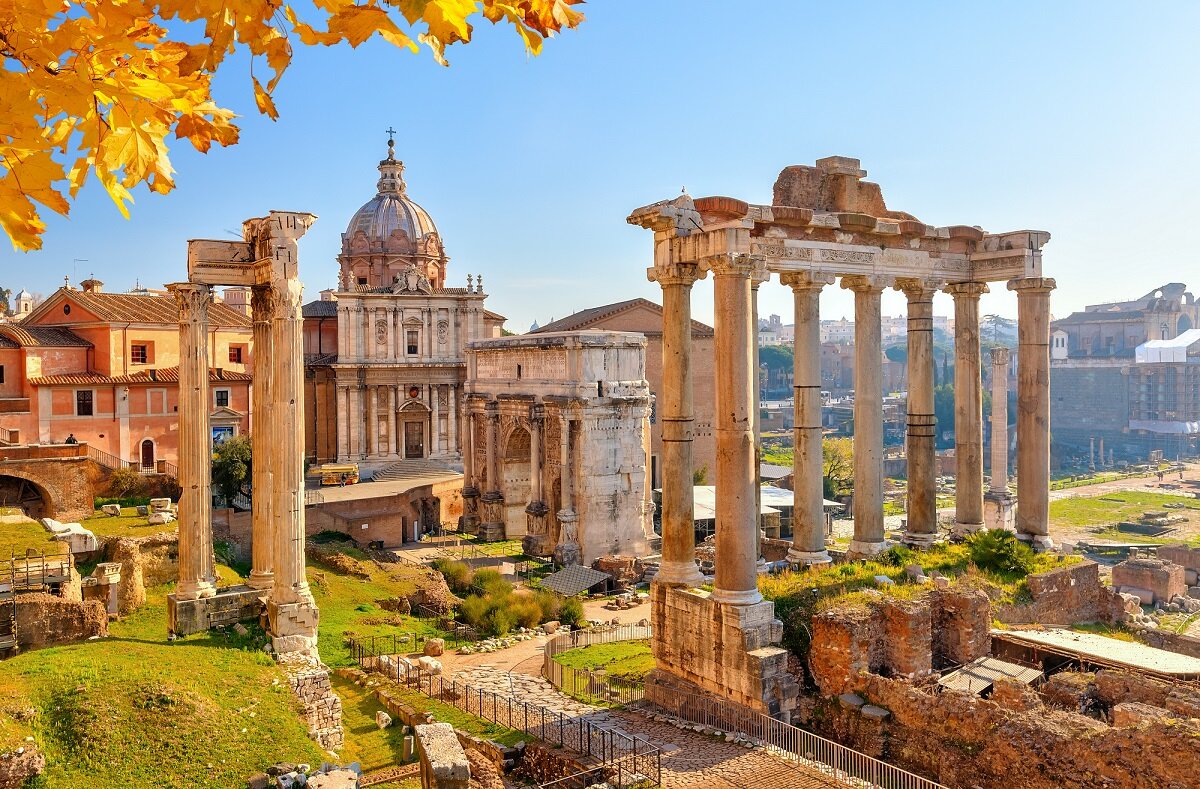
(1032, 285)
(731, 264)
(866, 283)
(262, 307)
(917, 289)
(969, 290)
(676, 274)
(193, 300)
(287, 298)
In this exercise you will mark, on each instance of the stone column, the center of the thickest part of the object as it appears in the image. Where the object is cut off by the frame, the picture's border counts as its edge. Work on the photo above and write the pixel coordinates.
(293, 614)
(391, 421)
(435, 437)
(999, 476)
(758, 276)
(968, 407)
(737, 542)
(343, 423)
(196, 577)
(372, 395)
(868, 416)
(1033, 409)
(567, 552)
(470, 473)
(452, 419)
(492, 527)
(536, 542)
(678, 566)
(1092, 453)
(808, 511)
(921, 436)
(262, 546)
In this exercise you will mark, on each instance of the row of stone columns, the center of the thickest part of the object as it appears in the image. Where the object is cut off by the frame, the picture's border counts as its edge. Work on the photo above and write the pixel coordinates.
(352, 401)
(737, 510)
(278, 448)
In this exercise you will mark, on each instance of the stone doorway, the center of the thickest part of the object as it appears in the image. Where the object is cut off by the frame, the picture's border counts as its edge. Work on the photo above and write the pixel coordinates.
(147, 455)
(515, 478)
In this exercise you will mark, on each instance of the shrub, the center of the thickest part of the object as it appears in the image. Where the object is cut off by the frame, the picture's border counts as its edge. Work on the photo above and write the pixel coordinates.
(550, 603)
(999, 551)
(457, 574)
(571, 612)
(126, 483)
(498, 621)
(898, 556)
(525, 610)
(491, 581)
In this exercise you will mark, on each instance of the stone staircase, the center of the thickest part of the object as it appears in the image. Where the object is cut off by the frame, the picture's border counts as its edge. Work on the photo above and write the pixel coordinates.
(411, 469)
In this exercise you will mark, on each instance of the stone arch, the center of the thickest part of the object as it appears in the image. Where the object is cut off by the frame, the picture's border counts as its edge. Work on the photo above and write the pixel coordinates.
(33, 496)
(1184, 324)
(515, 469)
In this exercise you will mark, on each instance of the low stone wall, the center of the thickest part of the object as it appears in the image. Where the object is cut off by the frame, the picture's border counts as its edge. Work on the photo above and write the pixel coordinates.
(1066, 596)
(544, 763)
(43, 620)
(1163, 579)
(322, 709)
(1172, 642)
(145, 562)
(962, 740)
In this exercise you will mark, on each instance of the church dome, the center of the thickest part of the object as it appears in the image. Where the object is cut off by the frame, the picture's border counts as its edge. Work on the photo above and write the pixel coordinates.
(391, 209)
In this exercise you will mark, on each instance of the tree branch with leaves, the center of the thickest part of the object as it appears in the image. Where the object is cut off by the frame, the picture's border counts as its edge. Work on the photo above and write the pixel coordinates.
(97, 86)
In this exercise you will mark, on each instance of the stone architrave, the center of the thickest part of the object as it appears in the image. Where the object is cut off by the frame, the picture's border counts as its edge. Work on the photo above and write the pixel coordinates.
(737, 541)
(1033, 409)
(997, 502)
(262, 548)
(921, 436)
(968, 407)
(291, 610)
(808, 512)
(678, 565)
(868, 415)
(197, 579)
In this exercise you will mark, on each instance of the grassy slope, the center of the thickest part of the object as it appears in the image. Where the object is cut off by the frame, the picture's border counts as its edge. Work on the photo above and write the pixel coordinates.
(18, 534)
(626, 659)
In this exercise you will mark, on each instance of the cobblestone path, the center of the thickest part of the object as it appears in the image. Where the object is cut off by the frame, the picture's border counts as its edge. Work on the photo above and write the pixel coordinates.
(689, 759)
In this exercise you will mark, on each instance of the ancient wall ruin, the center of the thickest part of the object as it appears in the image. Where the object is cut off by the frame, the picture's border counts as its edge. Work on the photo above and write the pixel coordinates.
(1066, 596)
(44, 619)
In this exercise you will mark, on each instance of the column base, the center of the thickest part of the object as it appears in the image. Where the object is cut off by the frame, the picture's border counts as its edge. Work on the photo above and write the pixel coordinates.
(999, 510)
(919, 539)
(196, 590)
(863, 549)
(963, 529)
(293, 627)
(685, 574)
(261, 581)
(470, 524)
(808, 558)
(567, 554)
(738, 597)
(1039, 542)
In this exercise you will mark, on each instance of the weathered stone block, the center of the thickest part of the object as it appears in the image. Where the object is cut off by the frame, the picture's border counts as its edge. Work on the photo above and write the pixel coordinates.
(435, 647)
(1163, 578)
(444, 763)
(112, 510)
(1133, 713)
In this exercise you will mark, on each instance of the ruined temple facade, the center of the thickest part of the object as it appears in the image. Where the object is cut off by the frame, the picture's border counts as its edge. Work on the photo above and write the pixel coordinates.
(384, 352)
(556, 443)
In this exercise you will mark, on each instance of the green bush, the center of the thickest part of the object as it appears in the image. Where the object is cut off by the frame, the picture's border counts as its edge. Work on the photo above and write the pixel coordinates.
(491, 581)
(525, 610)
(898, 556)
(458, 575)
(571, 612)
(999, 551)
(550, 603)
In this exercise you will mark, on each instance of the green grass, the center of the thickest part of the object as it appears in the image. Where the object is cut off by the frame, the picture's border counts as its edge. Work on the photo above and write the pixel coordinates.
(366, 743)
(1112, 508)
(448, 713)
(127, 524)
(133, 710)
(630, 660)
(1101, 629)
(16, 536)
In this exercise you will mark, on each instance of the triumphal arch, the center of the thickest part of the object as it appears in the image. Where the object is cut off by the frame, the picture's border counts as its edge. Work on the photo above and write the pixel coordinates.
(825, 225)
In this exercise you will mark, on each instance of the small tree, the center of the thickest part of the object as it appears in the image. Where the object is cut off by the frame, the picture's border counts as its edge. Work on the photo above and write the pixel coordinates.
(125, 483)
(231, 467)
(837, 465)
(700, 476)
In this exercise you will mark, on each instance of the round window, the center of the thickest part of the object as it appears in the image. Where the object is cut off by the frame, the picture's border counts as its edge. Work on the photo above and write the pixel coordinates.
(66, 309)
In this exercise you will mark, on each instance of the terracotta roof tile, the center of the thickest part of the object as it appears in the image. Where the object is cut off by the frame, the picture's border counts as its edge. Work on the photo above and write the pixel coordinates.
(585, 319)
(48, 336)
(320, 309)
(166, 375)
(128, 307)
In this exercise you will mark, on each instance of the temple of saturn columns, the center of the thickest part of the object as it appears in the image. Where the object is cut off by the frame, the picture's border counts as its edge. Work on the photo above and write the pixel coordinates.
(265, 261)
(825, 224)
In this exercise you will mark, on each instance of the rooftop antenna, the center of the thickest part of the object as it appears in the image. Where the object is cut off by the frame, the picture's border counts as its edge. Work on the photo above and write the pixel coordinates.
(75, 266)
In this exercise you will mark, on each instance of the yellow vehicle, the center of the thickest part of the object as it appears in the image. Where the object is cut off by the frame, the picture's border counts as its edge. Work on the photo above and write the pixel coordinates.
(338, 473)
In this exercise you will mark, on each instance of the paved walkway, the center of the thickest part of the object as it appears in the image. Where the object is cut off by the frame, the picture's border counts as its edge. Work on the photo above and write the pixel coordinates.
(690, 759)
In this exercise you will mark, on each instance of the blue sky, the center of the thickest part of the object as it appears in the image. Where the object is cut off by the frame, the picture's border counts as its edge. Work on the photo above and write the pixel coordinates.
(1075, 117)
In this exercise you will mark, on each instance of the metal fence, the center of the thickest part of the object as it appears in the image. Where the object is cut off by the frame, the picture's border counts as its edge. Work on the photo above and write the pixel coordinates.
(593, 686)
(630, 760)
(788, 742)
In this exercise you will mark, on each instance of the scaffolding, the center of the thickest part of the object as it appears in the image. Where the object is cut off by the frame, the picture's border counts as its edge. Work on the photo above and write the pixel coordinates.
(36, 571)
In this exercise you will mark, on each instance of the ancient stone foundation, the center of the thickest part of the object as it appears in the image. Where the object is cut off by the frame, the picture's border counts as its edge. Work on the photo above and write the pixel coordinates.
(43, 620)
(1163, 580)
(1066, 596)
(230, 605)
(727, 650)
(322, 709)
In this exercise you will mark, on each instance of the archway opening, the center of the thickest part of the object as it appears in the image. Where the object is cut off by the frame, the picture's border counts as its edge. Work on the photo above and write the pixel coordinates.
(515, 477)
(27, 496)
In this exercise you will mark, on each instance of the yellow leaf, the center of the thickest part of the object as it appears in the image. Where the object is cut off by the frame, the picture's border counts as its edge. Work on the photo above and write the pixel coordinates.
(263, 99)
(78, 174)
(119, 194)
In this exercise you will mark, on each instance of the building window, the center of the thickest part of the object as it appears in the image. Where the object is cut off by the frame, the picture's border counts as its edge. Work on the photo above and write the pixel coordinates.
(411, 341)
(235, 354)
(1, 373)
(362, 280)
(83, 402)
(222, 397)
(137, 354)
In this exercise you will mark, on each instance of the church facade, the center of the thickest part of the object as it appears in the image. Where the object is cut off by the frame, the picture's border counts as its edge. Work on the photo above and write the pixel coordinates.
(385, 351)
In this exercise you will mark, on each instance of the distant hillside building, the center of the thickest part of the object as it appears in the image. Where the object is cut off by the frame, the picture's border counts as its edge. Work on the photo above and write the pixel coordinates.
(1127, 374)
